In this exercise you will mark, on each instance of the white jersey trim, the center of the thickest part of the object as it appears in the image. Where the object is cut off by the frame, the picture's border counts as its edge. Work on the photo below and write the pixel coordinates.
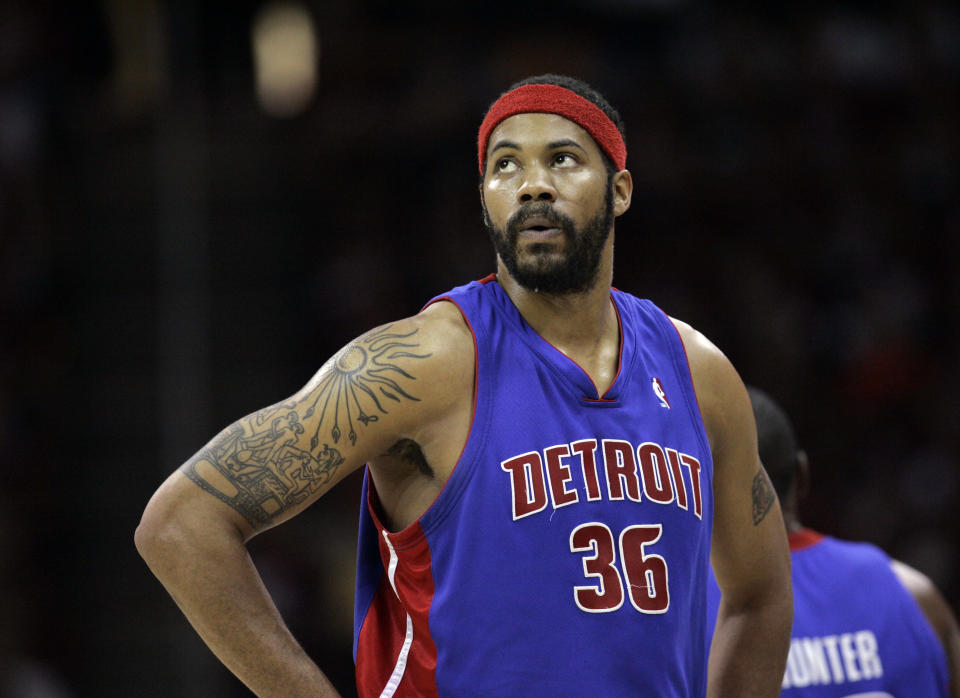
(401, 666)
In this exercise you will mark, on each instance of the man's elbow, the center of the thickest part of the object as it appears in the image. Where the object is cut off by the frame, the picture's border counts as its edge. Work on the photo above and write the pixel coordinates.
(178, 524)
(158, 534)
(171, 523)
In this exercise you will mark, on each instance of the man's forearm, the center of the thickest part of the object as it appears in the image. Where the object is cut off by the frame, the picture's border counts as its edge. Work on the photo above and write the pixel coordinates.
(749, 651)
(210, 575)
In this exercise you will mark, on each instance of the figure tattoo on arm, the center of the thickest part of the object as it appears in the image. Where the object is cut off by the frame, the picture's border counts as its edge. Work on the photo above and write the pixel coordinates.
(267, 462)
(763, 496)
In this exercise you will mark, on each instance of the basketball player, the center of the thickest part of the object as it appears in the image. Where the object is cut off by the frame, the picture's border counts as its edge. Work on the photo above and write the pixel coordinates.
(550, 465)
(864, 625)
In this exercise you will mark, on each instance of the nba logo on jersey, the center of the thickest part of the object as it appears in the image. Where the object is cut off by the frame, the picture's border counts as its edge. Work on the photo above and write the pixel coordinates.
(660, 393)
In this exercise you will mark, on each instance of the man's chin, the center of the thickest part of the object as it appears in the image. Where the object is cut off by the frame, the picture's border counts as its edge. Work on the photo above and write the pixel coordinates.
(540, 270)
(557, 280)
(553, 251)
(542, 259)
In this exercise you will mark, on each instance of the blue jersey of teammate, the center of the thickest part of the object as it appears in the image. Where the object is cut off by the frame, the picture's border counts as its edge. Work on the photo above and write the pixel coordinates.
(568, 553)
(856, 630)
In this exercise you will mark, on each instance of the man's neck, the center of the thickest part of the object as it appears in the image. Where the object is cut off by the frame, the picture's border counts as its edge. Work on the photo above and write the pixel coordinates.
(563, 318)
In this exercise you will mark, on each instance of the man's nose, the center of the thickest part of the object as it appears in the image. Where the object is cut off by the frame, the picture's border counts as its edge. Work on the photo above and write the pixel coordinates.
(537, 186)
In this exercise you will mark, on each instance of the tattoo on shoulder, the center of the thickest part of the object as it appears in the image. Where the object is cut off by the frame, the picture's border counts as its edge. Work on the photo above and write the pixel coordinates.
(267, 463)
(363, 373)
(763, 496)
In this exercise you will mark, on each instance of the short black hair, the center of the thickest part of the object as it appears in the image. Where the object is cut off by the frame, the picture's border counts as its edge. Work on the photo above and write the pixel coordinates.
(578, 87)
(776, 440)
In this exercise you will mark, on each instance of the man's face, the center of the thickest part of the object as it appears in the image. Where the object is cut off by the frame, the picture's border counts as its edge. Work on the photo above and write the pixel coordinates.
(547, 202)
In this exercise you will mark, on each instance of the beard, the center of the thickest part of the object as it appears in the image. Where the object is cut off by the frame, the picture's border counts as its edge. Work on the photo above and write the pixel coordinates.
(543, 269)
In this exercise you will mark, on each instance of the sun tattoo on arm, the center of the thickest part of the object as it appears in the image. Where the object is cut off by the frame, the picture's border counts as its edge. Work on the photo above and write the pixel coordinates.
(364, 371)
(763, 496)
(266, 463)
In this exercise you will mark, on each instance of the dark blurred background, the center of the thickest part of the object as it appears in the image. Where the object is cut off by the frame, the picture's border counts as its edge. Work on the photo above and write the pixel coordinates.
(200, 202)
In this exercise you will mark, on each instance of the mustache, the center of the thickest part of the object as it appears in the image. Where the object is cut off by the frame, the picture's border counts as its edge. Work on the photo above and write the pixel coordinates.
(541, 209)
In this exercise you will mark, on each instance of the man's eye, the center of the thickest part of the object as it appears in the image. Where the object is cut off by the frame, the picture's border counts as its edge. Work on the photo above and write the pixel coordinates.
(565, 160)
(506, 165)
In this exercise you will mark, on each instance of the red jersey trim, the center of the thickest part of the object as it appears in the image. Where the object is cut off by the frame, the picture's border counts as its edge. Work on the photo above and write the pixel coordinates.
(802, 539)
(381, 642)
(396, 648)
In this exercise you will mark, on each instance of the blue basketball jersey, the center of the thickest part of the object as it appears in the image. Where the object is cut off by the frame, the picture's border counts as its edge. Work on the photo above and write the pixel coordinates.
(856, 630)
(568, 553)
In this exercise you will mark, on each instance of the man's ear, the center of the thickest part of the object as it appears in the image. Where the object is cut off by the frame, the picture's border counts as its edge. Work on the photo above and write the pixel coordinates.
(622, 191)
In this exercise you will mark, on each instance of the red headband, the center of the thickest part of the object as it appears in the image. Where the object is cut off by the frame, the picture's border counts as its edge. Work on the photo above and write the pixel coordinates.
(553, 99)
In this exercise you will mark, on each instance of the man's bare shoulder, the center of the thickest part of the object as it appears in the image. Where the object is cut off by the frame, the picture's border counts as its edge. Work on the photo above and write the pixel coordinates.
(448, 338)
(446, 325)
(699, 348)
(427, 355)
(922, 589)
(721, 395)
(915, 581)
(938, 612)
(710, 369)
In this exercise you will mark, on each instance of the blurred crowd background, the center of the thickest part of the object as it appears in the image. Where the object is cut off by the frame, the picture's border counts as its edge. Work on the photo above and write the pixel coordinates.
(201, 201)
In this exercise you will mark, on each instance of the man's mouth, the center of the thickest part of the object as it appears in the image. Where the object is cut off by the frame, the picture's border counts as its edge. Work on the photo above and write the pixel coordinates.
(539, 232)
(538, 228)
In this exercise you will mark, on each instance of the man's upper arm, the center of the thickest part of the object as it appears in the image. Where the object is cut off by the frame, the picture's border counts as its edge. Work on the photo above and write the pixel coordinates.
(270, 465)
(750, 555)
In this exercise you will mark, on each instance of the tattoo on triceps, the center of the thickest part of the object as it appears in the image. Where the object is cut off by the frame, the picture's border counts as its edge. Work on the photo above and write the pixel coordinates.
(261, 466)
(763, 496)
(262, 472)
